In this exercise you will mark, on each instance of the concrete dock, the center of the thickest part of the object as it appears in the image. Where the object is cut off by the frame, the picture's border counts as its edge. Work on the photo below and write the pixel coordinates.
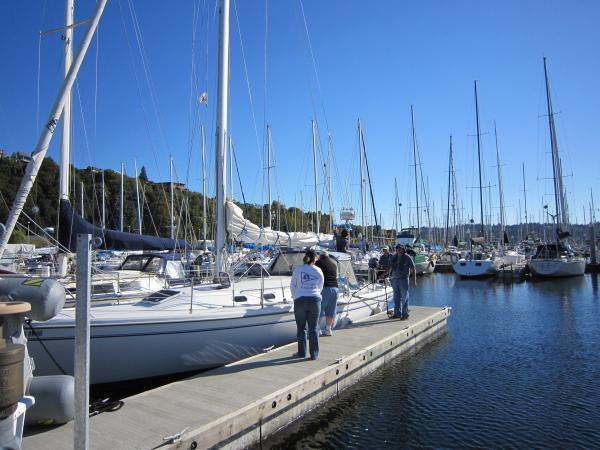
(239, 405)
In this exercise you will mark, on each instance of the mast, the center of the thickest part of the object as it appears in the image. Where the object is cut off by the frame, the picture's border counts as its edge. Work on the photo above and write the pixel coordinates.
(362, 181)
(449, 186)
(103, 203)
(557, 176)
(137, 197)
(479, 160)
(314, 144)
(414, 145)
(500, 189)
(329, 164)
(37, 156)
(221, 136)
(525, 198)
(397, 207)
(203, 187)
(65, 143)
(82, 210)
(121, 199)
(269, 174)
(172, 219)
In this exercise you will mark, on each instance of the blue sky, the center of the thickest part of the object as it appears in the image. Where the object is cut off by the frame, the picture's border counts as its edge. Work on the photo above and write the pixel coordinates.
(373, 60)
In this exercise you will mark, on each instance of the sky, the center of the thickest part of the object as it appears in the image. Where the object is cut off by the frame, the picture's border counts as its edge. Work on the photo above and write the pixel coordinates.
(333, 62)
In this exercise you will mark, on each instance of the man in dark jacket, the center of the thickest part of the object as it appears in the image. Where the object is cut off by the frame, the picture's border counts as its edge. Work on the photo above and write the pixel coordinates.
(329, 294)
(402, 267)
(385, 261)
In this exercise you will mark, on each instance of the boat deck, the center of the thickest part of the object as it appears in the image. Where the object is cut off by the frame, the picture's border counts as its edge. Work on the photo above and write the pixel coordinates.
(240, 404)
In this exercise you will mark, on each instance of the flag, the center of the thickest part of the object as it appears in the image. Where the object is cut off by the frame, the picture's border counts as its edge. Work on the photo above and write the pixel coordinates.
(203, 98)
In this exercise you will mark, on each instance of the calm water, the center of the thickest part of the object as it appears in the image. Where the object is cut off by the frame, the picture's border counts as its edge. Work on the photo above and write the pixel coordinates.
(519, 367)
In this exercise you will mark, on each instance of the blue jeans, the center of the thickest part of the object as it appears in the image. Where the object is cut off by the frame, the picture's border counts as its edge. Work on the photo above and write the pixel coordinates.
(307, 310)
(329, 302)
(400, 287)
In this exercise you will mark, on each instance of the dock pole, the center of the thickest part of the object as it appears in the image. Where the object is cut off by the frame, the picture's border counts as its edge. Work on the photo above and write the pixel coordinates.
(82, 343)
(594, 258)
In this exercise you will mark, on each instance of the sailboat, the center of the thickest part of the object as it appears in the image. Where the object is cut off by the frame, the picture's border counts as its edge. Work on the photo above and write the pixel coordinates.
(557, 259)
(188, 328)
(478, 263)
(410, 237)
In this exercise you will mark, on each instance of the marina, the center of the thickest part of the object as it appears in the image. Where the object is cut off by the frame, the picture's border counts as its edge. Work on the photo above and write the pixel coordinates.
(258, 225)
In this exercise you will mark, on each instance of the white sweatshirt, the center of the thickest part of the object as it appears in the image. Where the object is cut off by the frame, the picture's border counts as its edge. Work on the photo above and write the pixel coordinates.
(307, 281)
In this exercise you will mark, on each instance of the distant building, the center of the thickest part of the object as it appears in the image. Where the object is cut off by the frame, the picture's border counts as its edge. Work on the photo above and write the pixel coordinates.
(21, 157)
(3, 153)
(176, 186)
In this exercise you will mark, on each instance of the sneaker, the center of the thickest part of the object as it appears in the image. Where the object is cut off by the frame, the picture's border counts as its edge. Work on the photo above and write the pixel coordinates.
(327, 332)
(298, 355)
(313, 357)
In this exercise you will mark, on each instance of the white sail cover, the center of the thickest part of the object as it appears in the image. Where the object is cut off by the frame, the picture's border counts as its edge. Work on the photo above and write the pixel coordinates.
(243, 230)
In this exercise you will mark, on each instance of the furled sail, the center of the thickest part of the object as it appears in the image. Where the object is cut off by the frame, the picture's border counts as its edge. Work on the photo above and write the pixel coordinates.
(243, 230)
(72, 224)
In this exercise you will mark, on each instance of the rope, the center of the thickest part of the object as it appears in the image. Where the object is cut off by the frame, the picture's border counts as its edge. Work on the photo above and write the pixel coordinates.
(28, 322)
(105, 405)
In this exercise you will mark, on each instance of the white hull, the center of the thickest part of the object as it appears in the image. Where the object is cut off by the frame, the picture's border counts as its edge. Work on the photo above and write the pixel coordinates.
(557, 267)
(175, 340)
(425, 267)
(473, 268)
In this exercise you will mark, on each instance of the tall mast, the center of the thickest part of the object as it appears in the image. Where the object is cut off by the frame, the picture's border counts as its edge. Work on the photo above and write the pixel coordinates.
(37, 156)
(65, 143)
(137, 197)
(82, 210)
(397, 206)
(479, 161)
(362, 181)
(269, 174)
(449, 189)
(557, 176)
(525, 198)
(314, 143)
(203, 187)
(103, 202)
(121, 199)
(414, 145)
(500, 189)
(231, 167)
(172, 218)
(221, 136)
(329, 164)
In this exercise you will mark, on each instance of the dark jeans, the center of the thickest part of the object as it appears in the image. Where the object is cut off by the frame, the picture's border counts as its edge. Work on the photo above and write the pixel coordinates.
(307, 310)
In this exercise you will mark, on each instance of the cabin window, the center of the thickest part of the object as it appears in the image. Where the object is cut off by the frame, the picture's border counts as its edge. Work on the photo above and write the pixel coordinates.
(163, 294)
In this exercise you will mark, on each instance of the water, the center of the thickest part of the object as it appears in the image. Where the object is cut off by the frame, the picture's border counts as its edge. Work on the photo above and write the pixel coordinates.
(519, 367)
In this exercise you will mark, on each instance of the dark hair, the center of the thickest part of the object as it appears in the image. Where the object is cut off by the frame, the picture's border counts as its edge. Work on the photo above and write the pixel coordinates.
(309, 257)
(344, 232)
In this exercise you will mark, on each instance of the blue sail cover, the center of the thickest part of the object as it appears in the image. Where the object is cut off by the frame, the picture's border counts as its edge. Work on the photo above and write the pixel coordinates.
(72, 224)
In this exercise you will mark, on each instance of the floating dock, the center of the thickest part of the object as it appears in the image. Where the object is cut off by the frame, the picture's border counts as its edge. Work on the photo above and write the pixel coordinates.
(239, 405)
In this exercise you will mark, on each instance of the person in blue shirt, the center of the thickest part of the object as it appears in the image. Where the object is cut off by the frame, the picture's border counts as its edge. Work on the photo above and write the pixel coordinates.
(402, 268)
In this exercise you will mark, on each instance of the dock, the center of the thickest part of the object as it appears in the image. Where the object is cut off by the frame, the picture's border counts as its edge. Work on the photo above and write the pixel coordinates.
(239, 405)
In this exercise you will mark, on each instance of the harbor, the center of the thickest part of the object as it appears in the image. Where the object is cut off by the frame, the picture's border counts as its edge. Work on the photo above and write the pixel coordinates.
(302, 224)
(241, 404)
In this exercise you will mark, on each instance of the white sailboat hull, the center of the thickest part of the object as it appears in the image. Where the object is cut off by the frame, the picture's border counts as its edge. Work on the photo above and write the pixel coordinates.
(473, 268)
(557, 267)
(182, 342)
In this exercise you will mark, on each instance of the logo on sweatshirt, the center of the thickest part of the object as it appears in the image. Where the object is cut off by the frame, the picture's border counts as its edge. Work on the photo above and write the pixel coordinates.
(306, 279)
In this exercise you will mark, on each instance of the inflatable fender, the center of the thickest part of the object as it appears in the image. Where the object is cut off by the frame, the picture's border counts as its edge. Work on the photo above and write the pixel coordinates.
(46, 296)
(54, 400)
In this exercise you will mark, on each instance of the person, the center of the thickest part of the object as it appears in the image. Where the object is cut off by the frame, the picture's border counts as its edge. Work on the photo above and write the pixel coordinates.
(341, 241)
(306, 285)
(402, 267)
(329, 294)
(384, 264)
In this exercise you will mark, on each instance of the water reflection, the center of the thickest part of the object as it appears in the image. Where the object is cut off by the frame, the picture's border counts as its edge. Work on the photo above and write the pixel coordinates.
(594, 278)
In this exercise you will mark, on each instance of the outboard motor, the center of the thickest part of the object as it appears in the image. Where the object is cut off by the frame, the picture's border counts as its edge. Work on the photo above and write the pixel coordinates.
(54, 395)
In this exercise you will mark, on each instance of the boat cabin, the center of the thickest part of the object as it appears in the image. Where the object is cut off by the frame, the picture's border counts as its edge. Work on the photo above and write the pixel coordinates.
(168, 265)
(285, 263)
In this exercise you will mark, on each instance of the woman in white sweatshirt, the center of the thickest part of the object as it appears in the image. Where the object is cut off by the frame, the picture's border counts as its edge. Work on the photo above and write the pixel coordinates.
(306, 285)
